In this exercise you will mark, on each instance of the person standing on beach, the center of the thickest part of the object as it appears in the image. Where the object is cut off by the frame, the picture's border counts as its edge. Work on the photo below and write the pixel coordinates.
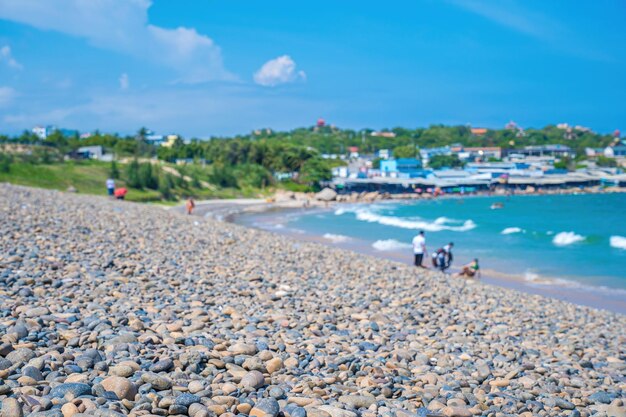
(110, 186)
(419, 248)
(190, 205)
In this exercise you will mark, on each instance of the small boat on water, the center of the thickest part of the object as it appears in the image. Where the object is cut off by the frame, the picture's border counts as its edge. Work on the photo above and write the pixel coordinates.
(496, 206)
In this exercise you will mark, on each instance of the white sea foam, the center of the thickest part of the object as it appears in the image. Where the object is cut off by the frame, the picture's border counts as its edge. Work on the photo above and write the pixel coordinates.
(335, 238)
(567, 238)
(390, 245)
(339, 212)
(438, 225)
(511, 230)
(618, 242)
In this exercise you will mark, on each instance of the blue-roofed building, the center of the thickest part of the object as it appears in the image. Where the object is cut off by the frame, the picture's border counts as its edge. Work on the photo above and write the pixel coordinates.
(401, 168)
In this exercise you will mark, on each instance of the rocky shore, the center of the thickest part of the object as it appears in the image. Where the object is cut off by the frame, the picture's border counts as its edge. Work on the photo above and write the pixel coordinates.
(329, 195)
(110, 308)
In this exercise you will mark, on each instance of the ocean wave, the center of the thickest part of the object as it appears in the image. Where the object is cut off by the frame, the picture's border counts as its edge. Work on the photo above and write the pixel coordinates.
(335, 238)
(567, 238)
(618, 242)
(390, 245)
(511, 230)
(442, 223)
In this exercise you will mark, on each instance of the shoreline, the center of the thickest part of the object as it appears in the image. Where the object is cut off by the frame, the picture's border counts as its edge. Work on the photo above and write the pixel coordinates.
(239, 211)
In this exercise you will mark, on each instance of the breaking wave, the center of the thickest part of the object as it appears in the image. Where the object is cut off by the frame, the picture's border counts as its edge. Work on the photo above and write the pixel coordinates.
(442, 223)
(390, 245)
(335, 238)
(511, 230)
(567, 238)
(618, 242)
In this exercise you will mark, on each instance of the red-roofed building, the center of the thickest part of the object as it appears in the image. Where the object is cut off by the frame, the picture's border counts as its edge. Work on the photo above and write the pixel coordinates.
(478, 131)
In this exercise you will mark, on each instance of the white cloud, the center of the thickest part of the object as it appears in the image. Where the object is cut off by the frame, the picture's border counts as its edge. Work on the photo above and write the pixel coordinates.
(276, 71)
(200, 111)
(124, 82)
(7, 94)
(7, 56)
(122, 26)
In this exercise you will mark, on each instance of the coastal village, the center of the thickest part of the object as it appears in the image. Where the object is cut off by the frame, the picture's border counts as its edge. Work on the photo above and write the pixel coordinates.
(469, 169)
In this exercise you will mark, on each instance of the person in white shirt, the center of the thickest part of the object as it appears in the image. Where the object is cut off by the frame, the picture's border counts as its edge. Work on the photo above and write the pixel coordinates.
(110, 186)
(419, 248)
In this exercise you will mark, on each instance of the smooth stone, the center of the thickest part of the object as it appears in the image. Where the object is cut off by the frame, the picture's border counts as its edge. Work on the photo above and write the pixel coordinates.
(253, 379)
(20, 356)
(600, 397)
(274, 365)
(186, 399)
(160, 383)
(75, 388)
(335, 411)
(456, 412)
(357, 401)
(266, 407)
(11, 408)
(69, 409)
(122, 387)
(50, 413)
(163, 365)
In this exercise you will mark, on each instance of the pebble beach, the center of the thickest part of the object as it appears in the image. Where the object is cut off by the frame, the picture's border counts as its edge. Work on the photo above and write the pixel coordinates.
(110, 308)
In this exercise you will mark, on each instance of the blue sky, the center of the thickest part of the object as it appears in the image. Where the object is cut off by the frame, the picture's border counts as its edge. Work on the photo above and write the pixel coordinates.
(204, 67)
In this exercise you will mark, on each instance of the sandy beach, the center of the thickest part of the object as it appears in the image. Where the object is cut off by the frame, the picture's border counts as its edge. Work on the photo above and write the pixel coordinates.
(112, 308)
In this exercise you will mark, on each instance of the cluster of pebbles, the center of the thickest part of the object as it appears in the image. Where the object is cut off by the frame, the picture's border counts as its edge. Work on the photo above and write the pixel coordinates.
(110, 308)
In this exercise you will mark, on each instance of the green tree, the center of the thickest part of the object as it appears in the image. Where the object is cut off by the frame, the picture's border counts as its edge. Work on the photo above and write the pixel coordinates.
(132, 174)
(445, 161)
(313, 171)
(564, 163)
(406, 151)
(148, 177)
(5, 162)
(223, 176)
(114, 172)
(603, 161)
(166, 185)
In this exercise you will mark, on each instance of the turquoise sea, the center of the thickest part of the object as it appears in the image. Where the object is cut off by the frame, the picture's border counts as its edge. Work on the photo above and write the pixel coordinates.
(574, 241)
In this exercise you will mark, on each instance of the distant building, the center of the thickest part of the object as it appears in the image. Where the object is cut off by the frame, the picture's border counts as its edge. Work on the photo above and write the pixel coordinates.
(154, 139)
(321, 122)
(402, 167)
(478, 131)
(170, 140)
(483, 153)
(557, 151)
(42, 132)
(384, 154)
(340, 172)
(428, 153)
(617, 151)
(354, 152)
(383, 134)
(90, 152)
